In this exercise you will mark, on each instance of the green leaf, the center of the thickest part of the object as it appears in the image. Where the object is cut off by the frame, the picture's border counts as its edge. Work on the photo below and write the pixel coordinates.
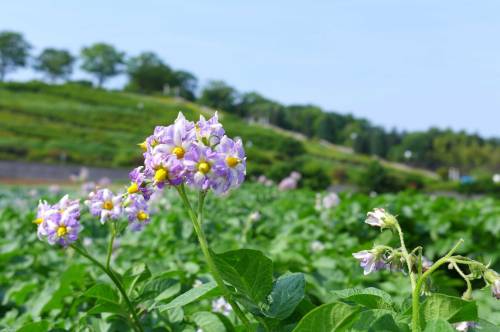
(450, 308)
(102, 291)
(249, 271)
(188, 297)
(376, 320)
(372, 298)
(208, 321)
(329, 317)
(439, 325)
(160, 289)
(106, 307)
(41, 326)
(484, 326)
(287, 293)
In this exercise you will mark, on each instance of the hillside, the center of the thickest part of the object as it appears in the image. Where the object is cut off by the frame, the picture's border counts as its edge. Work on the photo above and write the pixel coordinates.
(81, 125)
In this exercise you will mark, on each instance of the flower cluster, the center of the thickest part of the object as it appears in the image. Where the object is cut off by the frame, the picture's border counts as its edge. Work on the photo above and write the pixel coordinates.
(291, 182)
(198, 154)
(326, 202)
(372, 260)
(59, 223)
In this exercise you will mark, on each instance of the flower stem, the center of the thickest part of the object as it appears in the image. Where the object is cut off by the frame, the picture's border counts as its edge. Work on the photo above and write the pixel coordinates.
(136, 324)
(197, 219)
(406, 256)
(110, 244)
(468, 293)
(415, 319)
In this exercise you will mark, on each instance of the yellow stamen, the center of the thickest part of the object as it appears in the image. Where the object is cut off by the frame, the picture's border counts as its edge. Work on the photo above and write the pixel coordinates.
(38, 221)
(141, 215)
(133, 188)
(204, 167)
(143, 146)
(108, 205)
(160, 174)
(61, 231)
(179, 152)
(154, 143)
(232, 161)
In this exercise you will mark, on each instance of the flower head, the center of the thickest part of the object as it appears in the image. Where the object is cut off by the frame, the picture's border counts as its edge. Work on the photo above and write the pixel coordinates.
(317, 246)
(380, 218)
(202, 168)
(59, 223)
(495, 289)
(222, 306)
(136, 209)
(104, 204)
(209, 132)
(138, 183)
(174, 140)
(464, 326)
(232, 162)
(370, 260)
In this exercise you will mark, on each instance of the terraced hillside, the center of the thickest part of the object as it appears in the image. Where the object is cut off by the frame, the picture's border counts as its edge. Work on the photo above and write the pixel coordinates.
(81, 125)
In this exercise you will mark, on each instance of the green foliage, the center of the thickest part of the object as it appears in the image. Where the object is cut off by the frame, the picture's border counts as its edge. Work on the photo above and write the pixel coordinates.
(220, 96)
(325, 288)
(55, 63)
(102, 60)
(14, 52)
(80, 125)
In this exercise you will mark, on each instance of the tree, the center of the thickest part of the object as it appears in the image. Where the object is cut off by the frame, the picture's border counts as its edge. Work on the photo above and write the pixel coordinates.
(187, 84)
(14, 52)
(148, 73)
(102, 60)
(219, 95)
(55, 63)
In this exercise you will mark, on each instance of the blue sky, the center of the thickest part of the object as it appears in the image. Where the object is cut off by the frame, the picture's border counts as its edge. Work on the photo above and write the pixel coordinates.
(407, 64)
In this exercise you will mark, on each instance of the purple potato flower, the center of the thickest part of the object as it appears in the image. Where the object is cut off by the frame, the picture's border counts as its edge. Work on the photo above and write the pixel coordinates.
(203, 170)
(370, 260)
(380, 218)
(136, 209)
(138, 183)
(232, 162)
(104, 204)
(209, 132)
(59, 223)
(175, 139)
(164, 170)
(495, 289)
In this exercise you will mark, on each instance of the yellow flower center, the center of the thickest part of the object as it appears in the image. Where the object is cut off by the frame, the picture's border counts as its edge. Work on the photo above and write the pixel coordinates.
(62, 230)
(160, 174)
(204, 167)
(38, 221)
(232, 161)
(133, 188)
(154, 143)
(141, 215)
(108, 205)
(143, 146)
(179, 152)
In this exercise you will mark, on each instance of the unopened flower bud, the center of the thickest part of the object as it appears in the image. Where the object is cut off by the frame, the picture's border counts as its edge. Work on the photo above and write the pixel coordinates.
(380, 218)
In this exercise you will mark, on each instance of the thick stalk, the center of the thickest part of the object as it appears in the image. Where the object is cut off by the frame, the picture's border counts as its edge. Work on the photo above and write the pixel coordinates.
(415, 318)
(135, 320)
(197, 220)
(406, 257)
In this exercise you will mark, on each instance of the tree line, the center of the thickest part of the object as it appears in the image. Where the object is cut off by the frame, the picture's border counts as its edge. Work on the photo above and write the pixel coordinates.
(434, 149)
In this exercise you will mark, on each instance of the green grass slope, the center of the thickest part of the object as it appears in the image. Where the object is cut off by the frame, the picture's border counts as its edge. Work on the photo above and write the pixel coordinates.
(82, 125)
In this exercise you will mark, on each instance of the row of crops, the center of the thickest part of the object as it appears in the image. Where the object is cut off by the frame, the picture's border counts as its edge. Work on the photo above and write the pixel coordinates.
(310, 244)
